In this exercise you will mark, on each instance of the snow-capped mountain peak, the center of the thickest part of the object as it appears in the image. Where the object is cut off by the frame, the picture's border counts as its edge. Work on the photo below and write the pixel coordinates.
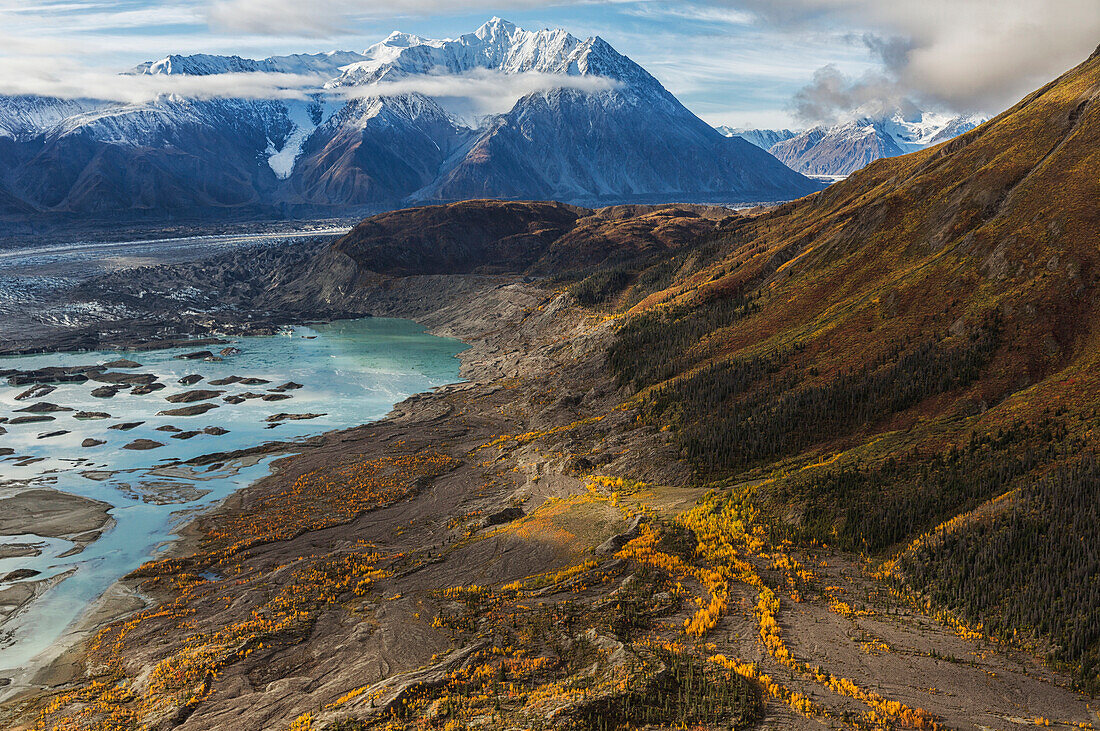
(496, 27)
(203, 64)
(549, 116)
(841, 149)
(762, 138)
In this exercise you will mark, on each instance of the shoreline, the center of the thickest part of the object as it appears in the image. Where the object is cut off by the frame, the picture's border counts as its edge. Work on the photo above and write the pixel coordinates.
(526, 342)
(54, 665)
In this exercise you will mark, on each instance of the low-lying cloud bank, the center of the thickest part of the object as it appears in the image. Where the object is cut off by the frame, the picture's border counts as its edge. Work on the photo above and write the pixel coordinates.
(480, 92)
(474, 94)
(135, 89)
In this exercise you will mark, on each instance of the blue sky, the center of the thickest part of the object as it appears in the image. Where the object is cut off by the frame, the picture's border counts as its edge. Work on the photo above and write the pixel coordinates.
(738, 62)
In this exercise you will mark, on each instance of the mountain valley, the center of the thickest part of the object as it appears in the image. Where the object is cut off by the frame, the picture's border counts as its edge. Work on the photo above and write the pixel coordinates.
(829, 463)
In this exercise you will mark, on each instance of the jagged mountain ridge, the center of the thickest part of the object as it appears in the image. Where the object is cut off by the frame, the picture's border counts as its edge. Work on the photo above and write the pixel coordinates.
(843, 148)
(610, 133)
(762, 138)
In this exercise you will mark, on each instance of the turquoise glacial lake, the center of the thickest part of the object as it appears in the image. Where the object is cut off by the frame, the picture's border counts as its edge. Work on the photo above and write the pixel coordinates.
(351, 372)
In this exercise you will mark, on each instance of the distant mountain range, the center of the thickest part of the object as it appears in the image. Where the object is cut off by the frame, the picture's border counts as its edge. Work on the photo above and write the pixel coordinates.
(842, 149)
(765, 139)
(595, 127)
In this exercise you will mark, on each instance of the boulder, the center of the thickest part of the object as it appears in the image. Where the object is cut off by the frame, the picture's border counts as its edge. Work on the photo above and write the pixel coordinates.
(254, 381)
(143, 388)
(192, 410)
(91, 415)
(49, 434)
(500, 517)
(123, 363)
(197, 355)
(105, 391)
(293, 417)
(190, 380)
(225, 381)
(186, 434)
(169, 428)
(33, 419)
(215, 431)
(42, 407)
(92, 443)
(188, 397)
(123, 378)
(234, 399)
(52, 374)
(276, 396)
(20, 574)
(126, 425)
(37, 391)
(142, 444)
(227, 352)
(616, 542)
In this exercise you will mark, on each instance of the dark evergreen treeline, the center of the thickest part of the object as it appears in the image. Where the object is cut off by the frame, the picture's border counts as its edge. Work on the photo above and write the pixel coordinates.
(1034, 568)
(893, 501)
(686, 693)
(602, 286)
(721, 432)
(636, 277)
(650, 348)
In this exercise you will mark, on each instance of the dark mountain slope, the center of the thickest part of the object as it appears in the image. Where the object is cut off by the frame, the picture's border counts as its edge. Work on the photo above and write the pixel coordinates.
(377, 151)
(646, 145)
(497, 237)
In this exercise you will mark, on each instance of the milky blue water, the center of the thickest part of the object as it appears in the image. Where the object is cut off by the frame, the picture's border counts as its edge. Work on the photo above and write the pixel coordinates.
(352, 372)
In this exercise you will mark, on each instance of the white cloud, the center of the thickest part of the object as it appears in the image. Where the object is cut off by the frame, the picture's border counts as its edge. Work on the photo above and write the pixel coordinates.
(965, 54)
(471, 95)
(702, 13)
(480, 92)
(68, 80)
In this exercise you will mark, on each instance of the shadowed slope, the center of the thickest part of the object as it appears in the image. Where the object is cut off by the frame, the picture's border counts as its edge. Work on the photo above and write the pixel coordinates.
(496, 237)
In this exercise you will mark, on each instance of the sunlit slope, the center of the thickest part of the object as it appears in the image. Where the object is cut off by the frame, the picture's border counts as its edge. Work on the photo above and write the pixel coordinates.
(908, 346)
(1004, 218)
